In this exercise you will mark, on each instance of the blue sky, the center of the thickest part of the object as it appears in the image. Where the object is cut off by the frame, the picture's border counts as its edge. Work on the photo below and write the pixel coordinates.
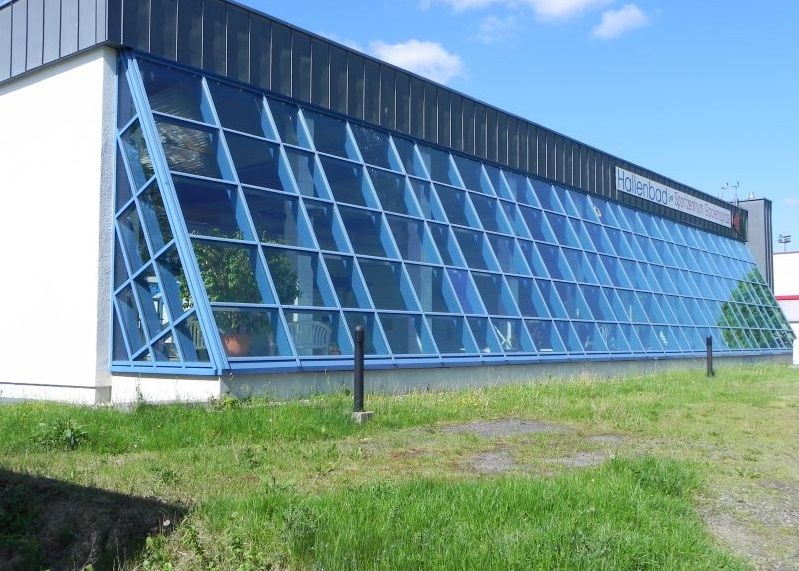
(702, 91)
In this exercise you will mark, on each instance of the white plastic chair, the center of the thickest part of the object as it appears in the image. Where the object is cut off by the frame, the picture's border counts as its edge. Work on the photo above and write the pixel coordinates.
(310, 336)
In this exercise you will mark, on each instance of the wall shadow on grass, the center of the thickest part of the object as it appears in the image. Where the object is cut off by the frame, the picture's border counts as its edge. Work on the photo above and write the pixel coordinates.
(55, 525)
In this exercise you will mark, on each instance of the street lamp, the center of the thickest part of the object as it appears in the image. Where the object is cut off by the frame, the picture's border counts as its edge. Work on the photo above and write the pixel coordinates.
(784, 239)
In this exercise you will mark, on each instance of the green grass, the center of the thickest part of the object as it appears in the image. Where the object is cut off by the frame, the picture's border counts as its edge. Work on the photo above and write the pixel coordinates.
(297, 485)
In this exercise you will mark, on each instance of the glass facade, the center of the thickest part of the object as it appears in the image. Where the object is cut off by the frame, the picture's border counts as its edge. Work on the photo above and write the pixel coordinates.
(254, 232)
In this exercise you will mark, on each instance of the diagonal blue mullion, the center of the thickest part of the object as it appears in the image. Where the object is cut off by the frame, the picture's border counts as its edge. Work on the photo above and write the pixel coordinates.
(191, 270)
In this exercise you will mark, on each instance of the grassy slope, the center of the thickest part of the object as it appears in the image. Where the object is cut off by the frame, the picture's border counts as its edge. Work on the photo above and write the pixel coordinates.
(297, 485)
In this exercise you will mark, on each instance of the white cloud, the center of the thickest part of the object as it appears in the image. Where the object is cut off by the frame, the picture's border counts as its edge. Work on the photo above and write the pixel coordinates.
(563, 9)
(543, 9)
(494, 29)
(428, 59)
(617, 22)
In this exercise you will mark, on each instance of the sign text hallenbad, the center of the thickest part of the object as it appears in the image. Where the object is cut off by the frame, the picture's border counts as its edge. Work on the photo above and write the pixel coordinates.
(637, 185)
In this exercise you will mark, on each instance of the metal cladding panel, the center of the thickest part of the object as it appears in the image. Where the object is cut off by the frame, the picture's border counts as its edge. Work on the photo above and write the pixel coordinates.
(19, 47)
(35, 37)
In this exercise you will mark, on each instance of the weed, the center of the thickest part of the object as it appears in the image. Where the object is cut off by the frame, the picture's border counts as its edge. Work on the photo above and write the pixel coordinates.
(60, 433)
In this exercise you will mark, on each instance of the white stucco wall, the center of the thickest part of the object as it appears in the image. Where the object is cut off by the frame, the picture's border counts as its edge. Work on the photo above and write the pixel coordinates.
(786, 286)
(56, 149)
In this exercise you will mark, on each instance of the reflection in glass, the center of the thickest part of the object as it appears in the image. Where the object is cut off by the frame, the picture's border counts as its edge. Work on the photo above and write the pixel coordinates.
(193, 151)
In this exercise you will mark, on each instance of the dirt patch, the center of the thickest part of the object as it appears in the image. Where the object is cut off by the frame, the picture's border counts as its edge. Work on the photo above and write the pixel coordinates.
(583, 459)
(760, 523)
(505, 428)
(501, 460)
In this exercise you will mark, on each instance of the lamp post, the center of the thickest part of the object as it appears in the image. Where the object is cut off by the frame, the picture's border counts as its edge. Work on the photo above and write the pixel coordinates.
(784, 239)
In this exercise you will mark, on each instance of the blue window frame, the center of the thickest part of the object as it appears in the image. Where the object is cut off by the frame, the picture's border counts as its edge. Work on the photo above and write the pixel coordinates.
(254, 233)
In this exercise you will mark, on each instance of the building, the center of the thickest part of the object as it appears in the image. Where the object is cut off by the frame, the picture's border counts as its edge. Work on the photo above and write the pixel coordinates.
(200, 198)
(786, 286)
(760, 235)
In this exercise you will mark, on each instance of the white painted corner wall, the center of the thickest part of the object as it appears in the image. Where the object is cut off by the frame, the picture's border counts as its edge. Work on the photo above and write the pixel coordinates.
(56, 168)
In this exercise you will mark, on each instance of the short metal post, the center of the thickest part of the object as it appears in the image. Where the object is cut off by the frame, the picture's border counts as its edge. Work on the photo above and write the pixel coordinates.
(709, 344)
(358, 369)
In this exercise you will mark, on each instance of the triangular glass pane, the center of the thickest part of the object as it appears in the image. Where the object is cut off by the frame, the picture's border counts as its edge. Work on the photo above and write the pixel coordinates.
(193, 150)
(374, 343)
(545, 336)
(130, 318)
(512, 336)
(615, 270)
(496, 297)
(432, 289)
(451, 334)
(600, 272)
(298, 278)
(175, 92)
(652, 308)
(406, 334)
(627, 306)
(440, 166)
(155, 218)
(562, 228)
(288, 123)
(614, 337)
(131, 232)
(533, 258)
(547, 196)
(457, 206)
(598, 303)
(632, 338)
(329, 135)
(413, 239)
(476, 250)
(556, 263)
(572, 299)
(153, 310)
(537, 224)
(447, 245)
(428, 201)
(495, 184)
(138, 157)
(579, 265)
(471, 172)
(583, 238)
(348, 183)
(552, 298)
(376, 148)
(123, 190)
(527, 297)
(120, 270)
(175, 286)
(510, 258)
(519, 227)
(565, 196)
(483, 332)
(591, 337)
(519, 188)
(388, 285)
(393, 191)
(600, 239)
(258, 162)
(241, 110)
(491, 215)
(212, 209)
(126, 109)
(610, 214)
(569, 336)
(346, 281)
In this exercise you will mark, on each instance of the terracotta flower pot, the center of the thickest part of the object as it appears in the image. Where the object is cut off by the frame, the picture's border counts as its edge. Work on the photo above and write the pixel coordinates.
(237, 344)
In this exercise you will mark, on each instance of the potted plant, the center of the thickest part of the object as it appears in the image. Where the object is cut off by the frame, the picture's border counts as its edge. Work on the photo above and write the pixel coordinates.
(228, 276)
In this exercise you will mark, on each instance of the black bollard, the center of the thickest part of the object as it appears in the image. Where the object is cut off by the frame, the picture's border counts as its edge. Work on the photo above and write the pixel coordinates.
(709, 344)
(358, 369)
